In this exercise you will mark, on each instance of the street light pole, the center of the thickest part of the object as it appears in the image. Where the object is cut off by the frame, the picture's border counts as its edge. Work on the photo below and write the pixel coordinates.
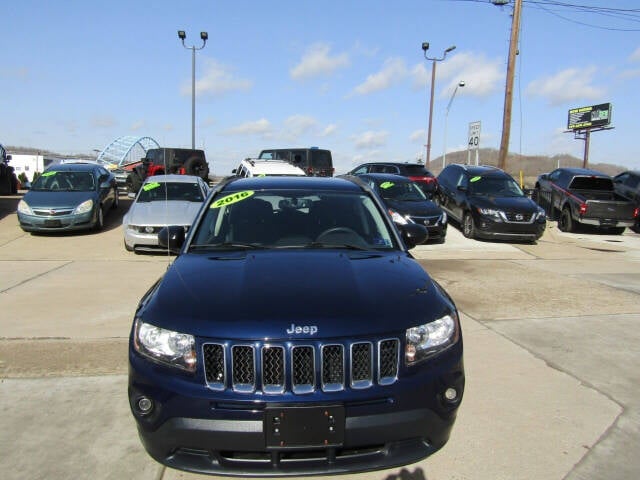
(446, 120)
(204, 36)
(425, 47)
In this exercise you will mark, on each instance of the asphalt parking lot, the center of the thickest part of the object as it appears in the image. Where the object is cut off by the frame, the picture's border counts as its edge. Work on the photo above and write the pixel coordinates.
(551, 337)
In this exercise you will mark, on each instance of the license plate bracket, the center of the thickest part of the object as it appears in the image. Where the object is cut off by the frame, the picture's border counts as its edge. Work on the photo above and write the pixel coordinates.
(295, 427)
(52, 223)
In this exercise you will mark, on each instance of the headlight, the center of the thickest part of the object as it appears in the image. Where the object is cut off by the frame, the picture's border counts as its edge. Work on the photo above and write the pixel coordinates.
(443, 219)
(432, 337)
(165, 346)
(399, 219)
(134, 228)
(84, 207)
(23, 207)
(490, 212)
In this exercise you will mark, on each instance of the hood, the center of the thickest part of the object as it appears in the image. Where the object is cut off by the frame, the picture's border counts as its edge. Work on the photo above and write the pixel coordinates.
(56, 199)
(508, 204)
(172, 212)
(262, 294)
(419, 209)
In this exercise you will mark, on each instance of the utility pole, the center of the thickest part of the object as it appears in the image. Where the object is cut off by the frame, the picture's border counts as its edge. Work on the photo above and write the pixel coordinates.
(508, 92)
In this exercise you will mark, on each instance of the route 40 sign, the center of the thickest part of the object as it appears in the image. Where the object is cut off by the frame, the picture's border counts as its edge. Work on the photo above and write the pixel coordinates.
(474, 136)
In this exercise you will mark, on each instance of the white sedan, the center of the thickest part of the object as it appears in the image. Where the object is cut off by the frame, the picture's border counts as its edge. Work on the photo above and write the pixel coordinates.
(162, 200)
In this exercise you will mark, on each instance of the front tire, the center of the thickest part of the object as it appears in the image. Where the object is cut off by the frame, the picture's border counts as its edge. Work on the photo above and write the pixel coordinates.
(116, 199)
(100, 220)
(468, 226)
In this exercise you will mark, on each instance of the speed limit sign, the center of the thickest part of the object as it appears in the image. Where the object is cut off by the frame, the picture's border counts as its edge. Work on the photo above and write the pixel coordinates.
(474, 136)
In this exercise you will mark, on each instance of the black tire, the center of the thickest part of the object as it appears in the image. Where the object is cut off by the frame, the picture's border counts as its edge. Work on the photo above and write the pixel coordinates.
(197, 166)
(99, 225)
(133, 182)
(535, 196)
(565, 222)
(116, 199)
(468, 226)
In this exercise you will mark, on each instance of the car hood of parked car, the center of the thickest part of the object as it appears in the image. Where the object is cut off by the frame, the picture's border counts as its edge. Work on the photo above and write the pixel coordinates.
(171, 212)
(57, 198)
(524, 204)
(421, 208)
(233, 294)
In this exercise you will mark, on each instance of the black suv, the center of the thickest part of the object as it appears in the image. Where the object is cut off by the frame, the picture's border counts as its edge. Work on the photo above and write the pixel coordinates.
(294, 334)
(416, 172)
(488, 203)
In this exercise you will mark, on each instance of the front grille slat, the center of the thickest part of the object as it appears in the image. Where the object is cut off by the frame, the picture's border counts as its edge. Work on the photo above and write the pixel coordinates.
(274, 369)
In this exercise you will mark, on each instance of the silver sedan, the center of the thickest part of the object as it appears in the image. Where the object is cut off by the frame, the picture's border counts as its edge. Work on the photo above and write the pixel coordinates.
(162, 200)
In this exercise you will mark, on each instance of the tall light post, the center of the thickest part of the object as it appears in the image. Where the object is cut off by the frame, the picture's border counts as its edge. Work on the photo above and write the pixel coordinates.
(204, 36)
(425, 47)
(446, 120)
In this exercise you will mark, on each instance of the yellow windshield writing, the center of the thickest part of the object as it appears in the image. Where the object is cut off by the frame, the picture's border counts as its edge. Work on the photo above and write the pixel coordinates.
(233, 198)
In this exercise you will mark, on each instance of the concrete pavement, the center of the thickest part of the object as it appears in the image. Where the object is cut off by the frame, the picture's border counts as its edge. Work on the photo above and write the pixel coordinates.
(551, 357)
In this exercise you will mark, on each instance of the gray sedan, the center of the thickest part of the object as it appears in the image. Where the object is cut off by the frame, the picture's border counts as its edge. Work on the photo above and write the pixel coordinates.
(68, 196)
(161, 201)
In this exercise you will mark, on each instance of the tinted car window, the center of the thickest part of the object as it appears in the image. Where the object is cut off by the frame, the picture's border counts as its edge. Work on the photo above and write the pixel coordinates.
(276, 218)
(153, 192)
(68, 181)
(417, 170)
(492, 185)
(401, 191)
(591, 183)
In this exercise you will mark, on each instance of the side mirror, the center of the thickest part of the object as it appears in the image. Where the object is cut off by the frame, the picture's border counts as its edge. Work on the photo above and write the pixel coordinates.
(8, 157)
(171, 237)
(413, 234)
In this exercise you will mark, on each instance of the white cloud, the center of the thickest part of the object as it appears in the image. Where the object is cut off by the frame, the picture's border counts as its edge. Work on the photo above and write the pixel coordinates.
(393, 71)
(482, 76)
(317, 61)
(139, 125)
(258, 127)
(628, 74)
(217, 79)
(168, 127)
(370, 139)
(635, 56)
(297, 125)
(329, 130)
(418, 136)
(566, 86)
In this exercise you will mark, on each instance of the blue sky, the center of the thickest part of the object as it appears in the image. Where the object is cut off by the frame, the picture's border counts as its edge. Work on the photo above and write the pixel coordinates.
(345, 75)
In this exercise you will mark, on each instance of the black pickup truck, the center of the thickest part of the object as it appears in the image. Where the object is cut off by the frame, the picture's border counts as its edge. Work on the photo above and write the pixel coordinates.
(581, 196)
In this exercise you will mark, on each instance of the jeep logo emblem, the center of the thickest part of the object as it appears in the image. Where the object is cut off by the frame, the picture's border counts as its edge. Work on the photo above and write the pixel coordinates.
(298, 329)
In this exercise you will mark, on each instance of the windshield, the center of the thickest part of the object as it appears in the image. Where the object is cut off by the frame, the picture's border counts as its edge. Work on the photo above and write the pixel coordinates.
(285, 219)
(65, 181)
(183, 191)
(401, 192)
(494, 186)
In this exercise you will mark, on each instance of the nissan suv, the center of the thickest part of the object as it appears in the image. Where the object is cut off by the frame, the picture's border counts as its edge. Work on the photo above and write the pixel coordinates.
(488, 203)
(294, 334)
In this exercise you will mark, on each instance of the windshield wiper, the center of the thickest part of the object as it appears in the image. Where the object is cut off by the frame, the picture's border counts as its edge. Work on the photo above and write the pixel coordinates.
(348, 246)
(227, 246)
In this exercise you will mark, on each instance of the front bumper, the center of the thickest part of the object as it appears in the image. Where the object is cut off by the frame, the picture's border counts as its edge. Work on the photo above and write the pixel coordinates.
(490, 229)
(199, 430)
(56, 223)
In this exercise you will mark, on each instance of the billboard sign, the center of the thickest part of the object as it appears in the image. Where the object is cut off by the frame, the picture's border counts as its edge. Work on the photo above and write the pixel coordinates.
(589, 117)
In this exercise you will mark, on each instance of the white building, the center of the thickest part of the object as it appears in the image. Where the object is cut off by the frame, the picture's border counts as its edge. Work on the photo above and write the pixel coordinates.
(27, 164)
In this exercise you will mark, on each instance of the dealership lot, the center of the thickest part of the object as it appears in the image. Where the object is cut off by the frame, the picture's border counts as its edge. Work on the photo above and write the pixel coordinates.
(551, 357)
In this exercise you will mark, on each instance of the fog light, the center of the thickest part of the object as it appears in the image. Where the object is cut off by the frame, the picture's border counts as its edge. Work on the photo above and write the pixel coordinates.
(450, 394)
(145, 405)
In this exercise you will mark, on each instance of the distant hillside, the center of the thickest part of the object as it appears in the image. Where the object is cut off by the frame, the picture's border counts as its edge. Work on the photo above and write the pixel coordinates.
(48, 153)
(530, 165)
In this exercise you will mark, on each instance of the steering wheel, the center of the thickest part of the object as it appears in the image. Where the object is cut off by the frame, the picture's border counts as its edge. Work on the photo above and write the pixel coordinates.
(334, 230)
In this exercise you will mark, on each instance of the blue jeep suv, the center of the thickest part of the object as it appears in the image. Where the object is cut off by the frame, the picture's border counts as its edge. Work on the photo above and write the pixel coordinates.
(294, 334)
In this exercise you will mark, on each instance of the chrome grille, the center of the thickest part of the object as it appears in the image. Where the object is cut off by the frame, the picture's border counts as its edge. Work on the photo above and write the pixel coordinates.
(243, 369)
(426, 221)
(354, 365)
(332, 368)
(52, 212)
(303, 366)
(518, 217)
